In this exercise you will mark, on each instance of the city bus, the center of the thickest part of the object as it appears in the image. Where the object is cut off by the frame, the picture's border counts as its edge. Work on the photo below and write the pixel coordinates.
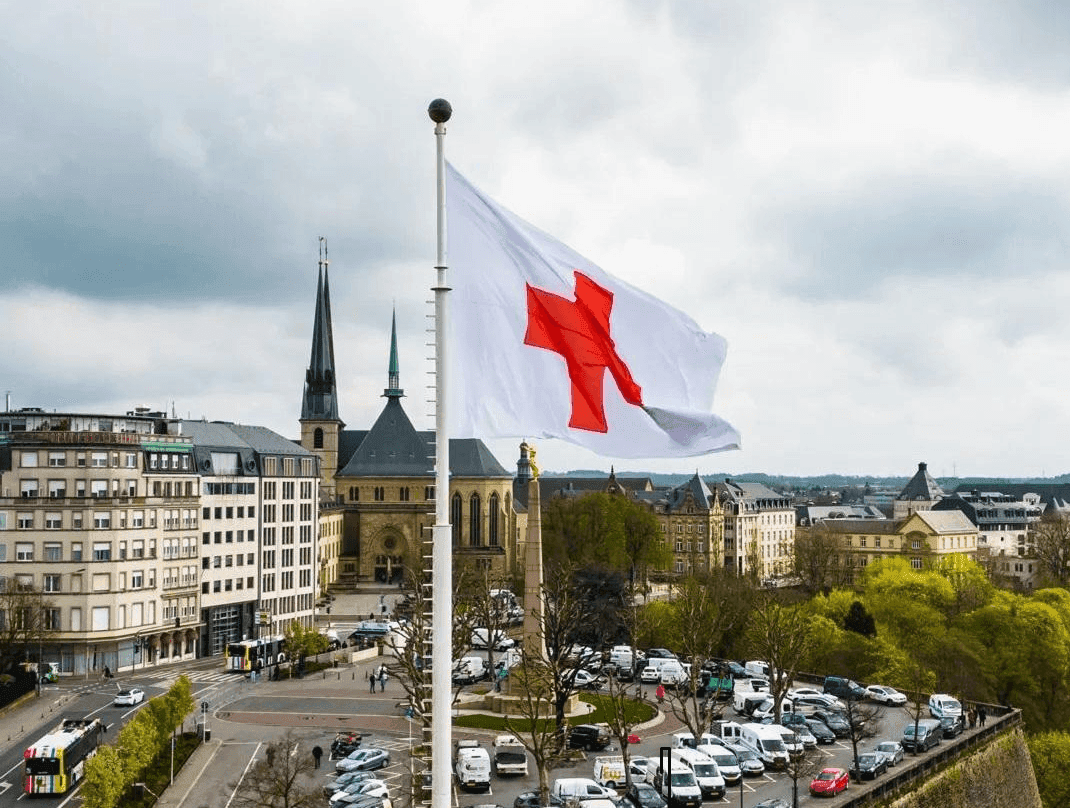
(56, 762)
(252, 655)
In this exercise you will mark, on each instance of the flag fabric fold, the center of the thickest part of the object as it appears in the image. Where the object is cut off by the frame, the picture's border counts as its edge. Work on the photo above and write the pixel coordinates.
(544, 344)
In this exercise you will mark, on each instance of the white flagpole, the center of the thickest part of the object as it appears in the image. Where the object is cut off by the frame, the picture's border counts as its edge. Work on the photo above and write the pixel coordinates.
(442, 539)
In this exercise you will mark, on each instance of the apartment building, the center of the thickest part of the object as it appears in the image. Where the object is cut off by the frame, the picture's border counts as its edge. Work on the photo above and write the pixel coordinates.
(759, 529)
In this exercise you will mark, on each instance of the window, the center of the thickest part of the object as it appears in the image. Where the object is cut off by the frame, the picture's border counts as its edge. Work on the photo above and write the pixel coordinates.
(51, 619)
(131, 460)
(57, 458)
(429, 492)
(915, 563)
(29, 489)
(137, 579)
(455, 518)
(99, 460)
(51, 582)
(53, 551)
(317, 438)
(403, 493)
(25, 521)
(379, 493)
(101, 520)
(98, 488)
(29, 460)
(492, 518)
(101, 551)
(53, 521)
(57, 489)
(76, 551)
(23, 551)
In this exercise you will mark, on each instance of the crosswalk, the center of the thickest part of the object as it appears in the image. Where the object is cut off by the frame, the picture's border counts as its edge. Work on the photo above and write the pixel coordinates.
(208, 677)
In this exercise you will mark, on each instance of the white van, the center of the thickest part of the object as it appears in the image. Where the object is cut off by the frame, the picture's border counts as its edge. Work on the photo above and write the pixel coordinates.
(580, 788)
(942, 705)
(469, 669)
(756, 667)
(725, 758)
(704, 768)
(674, 674)
(679, 787)
(609, 771)
(766, 742)
(472, 766)
(621, 656)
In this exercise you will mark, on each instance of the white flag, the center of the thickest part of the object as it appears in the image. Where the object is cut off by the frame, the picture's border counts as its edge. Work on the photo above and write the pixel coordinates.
(544, 344)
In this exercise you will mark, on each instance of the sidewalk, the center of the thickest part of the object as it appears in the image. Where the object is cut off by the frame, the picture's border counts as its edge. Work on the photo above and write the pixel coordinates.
(175, 794)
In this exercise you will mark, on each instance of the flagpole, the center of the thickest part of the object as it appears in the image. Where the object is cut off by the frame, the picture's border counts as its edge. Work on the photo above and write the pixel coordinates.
(442, 551)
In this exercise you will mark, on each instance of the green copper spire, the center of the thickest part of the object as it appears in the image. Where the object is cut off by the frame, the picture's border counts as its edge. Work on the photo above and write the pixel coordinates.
(393, 389)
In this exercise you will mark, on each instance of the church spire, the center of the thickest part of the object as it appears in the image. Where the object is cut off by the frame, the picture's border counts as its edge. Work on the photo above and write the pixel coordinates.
(393, 378)
(320, 401)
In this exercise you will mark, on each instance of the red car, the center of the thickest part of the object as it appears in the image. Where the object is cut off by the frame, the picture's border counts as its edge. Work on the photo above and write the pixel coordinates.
(829, 783)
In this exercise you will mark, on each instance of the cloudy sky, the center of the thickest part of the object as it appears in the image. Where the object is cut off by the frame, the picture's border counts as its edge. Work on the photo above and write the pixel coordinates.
(869, 202)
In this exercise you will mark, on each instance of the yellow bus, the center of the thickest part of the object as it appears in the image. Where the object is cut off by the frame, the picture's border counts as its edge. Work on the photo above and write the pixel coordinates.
(252, 655)
(56, 762)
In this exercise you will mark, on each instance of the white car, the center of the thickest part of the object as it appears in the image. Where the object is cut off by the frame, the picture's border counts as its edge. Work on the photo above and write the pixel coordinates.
(586, 679)
(129, 697)
(886, 695)
(368, 788)
(804, 691)
(650, 676)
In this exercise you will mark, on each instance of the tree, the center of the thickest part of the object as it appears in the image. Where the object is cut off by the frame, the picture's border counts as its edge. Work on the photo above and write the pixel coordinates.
(477, 609)
(863, 720)
(1050, 752)
(705, 608)
(536, 727)
(608, 531)
(281, 779)
(819, 559)
(617, 704)
(105, 779)
(1051, 536)
(803, 767)
(860, 621)
(23, 622)
(781, 636)
(302, 642)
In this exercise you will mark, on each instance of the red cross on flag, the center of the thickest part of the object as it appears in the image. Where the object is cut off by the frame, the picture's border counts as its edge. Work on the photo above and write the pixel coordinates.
(544, 344)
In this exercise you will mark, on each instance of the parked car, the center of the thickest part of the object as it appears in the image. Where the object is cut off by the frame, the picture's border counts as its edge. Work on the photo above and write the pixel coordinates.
(588, 736)
(870, 766)
(952, 726)
(886, 695)
(773, 802)
(502, 641)
(363, 760)
(638, 765)
(348, 778)
(532, 799)
(129, 697)
(941, 705)
(644, 795)
(660, 653)
(589, 681)
(892, 750)
(820, 731)
(749, 763)
(650, 675)
(928, 735)
(844, 688)
(369, 788)
(835, 721)
(793, 720)
(795, 692)
(829, 783)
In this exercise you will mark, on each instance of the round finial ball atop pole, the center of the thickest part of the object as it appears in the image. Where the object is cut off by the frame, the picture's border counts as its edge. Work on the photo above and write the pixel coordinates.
(440, 110)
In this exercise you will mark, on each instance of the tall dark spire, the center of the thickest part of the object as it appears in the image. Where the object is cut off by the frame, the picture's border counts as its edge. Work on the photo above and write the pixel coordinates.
(393, 377)
(320, 402)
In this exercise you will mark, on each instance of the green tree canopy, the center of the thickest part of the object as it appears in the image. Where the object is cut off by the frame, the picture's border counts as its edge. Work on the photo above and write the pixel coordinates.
(602, 530)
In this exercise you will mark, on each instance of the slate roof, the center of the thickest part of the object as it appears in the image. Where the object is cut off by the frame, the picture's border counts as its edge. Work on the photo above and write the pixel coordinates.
(577, 486)
(885, 527)
(700, 493)
(393, 447)
(945, 521)
(248, 442)
(806, 514)
(1053, 495)
(921, 486)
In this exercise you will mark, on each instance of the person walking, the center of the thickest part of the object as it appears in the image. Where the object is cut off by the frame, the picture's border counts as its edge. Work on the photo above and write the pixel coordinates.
(317, 753)
(371, 681)
(382, 678)
(981, 716)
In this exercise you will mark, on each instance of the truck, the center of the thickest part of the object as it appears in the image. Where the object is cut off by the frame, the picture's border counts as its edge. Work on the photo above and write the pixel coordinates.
(469, 669)
(510, 756)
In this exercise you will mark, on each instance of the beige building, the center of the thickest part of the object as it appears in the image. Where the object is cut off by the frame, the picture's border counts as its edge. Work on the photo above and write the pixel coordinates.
(692, 526)
(922, 538)
(759, 529)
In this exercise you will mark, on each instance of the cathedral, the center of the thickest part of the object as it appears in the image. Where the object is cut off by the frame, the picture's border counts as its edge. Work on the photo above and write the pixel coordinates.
(382, 479)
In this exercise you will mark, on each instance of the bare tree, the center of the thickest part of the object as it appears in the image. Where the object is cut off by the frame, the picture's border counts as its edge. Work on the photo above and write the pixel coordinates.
(802, 767)
(863, 721)
(281, 779)
(24, 621)
(1052, 538)
(533, 693)
(477, 609)
(781, 636)
(706, 607)
(917, 682)
(618, 703)
(819, 560)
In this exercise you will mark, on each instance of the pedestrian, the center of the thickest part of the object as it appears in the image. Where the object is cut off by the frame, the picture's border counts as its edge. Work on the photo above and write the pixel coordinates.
(973, 717)
(382, 678)
(371, 681)
(981, 715)
(317, 753)
(660, 693)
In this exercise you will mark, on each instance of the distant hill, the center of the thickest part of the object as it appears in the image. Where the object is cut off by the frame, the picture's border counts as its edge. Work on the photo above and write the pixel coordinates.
(782, 482)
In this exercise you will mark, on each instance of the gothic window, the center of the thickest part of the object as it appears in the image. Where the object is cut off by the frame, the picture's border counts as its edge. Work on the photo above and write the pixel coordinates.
(492, 518)
(317, 439)
(455, 518)
(474, 515)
